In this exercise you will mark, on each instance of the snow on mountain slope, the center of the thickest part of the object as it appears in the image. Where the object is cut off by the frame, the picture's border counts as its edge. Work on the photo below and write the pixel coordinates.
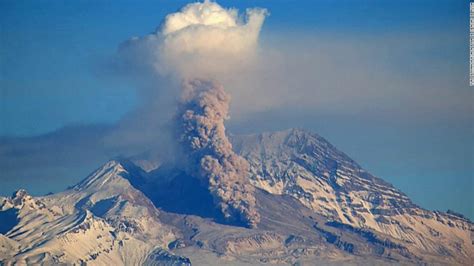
(102, 219)
(108, 194)
(301, 164)
(8, 247)
(315, 204)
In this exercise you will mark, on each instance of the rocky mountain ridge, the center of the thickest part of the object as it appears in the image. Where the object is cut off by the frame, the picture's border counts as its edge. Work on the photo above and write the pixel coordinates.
(310, 169)
(315, 204)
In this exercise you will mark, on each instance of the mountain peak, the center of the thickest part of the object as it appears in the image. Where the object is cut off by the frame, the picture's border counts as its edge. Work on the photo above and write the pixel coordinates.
(20, 197)
(104, 175)
(310, 196)
(293, 143)
(20, 194)
(114, 173)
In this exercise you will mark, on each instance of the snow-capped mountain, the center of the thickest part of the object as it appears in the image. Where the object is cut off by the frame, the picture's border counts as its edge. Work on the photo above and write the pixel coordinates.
(315, 205)
(308, 168)
(103, 218)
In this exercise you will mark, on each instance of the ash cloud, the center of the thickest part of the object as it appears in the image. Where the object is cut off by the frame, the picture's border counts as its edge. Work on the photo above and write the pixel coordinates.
(195, 46)
(203, 109)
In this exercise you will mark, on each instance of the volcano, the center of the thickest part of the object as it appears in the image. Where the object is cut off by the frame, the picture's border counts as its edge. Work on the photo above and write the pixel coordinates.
(315, 206)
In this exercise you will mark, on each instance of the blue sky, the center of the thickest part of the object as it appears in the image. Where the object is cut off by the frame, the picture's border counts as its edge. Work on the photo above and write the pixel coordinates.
(51, 49)
(54, 73)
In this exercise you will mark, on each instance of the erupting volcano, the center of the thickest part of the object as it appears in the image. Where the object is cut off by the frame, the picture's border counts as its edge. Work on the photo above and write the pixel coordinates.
(204, 107)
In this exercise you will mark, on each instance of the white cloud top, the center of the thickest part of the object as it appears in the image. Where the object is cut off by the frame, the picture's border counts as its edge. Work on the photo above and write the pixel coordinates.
(202, 40)
(205, 14)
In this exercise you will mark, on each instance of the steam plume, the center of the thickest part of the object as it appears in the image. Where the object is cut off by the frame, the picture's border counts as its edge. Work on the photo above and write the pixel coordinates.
(203, 110)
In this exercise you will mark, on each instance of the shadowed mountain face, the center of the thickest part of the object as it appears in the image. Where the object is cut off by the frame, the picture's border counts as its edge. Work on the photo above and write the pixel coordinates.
(314, 204)
(182, 194)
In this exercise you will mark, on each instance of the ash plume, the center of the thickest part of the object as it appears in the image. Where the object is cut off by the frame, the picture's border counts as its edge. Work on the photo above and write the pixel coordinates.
(203, 109)
(207, 41)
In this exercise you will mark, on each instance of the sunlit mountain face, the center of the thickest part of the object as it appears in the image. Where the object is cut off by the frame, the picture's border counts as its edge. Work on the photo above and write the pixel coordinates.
(313, 203)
